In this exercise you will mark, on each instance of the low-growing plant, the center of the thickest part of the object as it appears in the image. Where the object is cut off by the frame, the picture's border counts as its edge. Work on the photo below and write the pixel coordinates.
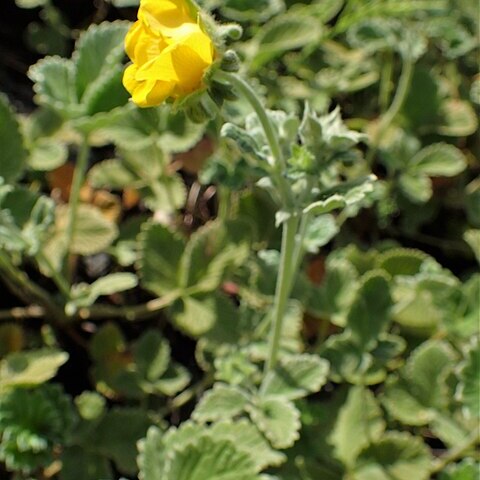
(261, 266)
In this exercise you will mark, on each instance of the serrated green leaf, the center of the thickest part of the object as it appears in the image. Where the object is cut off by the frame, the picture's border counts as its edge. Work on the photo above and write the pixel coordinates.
(210, 252)
(420, 388)
(459, 119)
(334, 296)
(296, 377)
(278, 419)
(360, 418)
(152, 355)
(98, 50)
(248, 438)
(111, 174)
(25, 220)
(30, 368)
(325, 206)
(438, 160)
(106, 93)
(401, 261)
(85, 295)
(370, 310)
(468, 390)
(221, 402)
(210, 459)
(197, 314)
(47, 154)
(417, 188)
(54, 85)
(13, 154)
(160, 253)
(93, 231)
(396, 455)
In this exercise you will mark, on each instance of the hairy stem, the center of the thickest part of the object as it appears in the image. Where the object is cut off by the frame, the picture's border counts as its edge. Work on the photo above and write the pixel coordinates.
(247, 91)
(78, 179)
(395, 107)
(268, 127)
(283, 289)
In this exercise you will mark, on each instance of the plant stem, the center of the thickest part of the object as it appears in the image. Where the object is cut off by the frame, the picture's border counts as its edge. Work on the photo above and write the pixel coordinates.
(291, 252)
(19, 313)
(385, 81)
(131, 313)
(78, 178)
(283, 289)
(395, 107)
(457, 452)
(57, 277)
(268, 127)
(30, 289)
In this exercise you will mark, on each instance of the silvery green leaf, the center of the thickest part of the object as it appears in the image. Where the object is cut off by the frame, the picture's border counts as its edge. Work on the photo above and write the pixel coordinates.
(13, 154)
(221, 402)
(247, 437)
(438, 160)
(420, 390)
(332, 299)
(295, 377)
(320, 231)
(47, 154)
(397, 455)
(360, 418)
(278, 419)
(416, 187)
(468, 390)
(369, 313)
(325, 206)
(206, 458)
(30, 368)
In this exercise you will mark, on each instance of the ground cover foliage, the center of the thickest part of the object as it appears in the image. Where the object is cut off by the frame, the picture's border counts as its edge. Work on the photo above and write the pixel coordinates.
(134, 344)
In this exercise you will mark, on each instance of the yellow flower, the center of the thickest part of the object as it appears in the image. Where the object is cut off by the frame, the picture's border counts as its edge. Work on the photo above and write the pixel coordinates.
(169, 50)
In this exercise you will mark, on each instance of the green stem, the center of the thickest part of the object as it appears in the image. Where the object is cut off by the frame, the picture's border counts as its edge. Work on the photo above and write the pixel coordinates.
(291, 254)
(78, 179)
(395, 107)
(457, 452)
(386, 81)
(283, 289)
(19, 313)
(268, 127)
(29, 289)
(59, 280)
(131, 313)
(299, 247)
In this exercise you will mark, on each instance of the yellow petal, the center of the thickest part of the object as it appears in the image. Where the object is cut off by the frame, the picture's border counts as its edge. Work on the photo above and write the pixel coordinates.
(129, 81)
(141, 45)
(132, 39)
(201, 43)
(159, 93)
(164, 15)
(159, 68)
